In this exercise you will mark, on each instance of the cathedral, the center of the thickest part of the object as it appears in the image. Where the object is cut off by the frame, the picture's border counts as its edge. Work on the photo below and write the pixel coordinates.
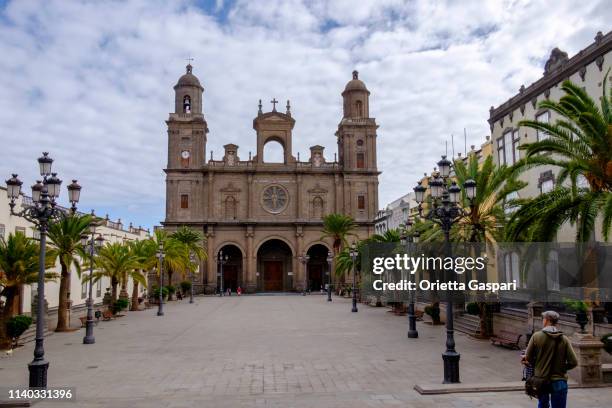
(263, 221)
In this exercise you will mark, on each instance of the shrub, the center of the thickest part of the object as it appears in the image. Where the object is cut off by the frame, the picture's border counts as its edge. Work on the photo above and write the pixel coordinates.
(16, 325)
(606, 339)
(434, 312)
(156, 292)
(119, 305)
(473, 308)
(185, 286)
(171, 289)
(576, 306)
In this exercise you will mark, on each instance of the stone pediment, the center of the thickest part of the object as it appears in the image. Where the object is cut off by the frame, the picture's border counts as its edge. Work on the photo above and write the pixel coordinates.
(317, 189)
(273, 118)
(230, 188)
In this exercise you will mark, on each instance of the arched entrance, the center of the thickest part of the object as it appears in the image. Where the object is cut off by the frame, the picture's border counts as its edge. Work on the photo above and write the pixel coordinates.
(317, 267)
(232, 268)
(274, 263)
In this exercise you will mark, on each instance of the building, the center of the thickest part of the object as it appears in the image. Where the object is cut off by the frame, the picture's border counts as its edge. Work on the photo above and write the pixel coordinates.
(111, 231)
(265, 217)
(587, 69)
(395, 213)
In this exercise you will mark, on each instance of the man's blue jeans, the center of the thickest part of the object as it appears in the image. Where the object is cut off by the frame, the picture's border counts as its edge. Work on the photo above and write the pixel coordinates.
(557, 396)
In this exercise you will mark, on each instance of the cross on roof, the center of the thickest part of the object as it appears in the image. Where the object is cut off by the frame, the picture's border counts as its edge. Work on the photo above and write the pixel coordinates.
(189, 60)
(273, 102)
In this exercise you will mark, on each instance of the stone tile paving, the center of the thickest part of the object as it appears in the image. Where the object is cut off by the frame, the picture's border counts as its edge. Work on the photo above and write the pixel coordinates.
(270, 351)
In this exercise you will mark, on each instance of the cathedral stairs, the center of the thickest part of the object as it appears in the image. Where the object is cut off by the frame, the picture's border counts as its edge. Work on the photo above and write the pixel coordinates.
(468, 324)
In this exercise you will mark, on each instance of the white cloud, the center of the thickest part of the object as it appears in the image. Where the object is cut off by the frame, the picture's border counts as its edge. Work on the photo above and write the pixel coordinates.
(92, 81)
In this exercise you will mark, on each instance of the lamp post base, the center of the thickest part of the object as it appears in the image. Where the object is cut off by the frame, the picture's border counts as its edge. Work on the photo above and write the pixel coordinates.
(451, 367)
(160, 313)
(413, 334)
(38, 373)
(89, 337)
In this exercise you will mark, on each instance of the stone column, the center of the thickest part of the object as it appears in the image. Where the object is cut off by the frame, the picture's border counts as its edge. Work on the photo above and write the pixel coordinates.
(211, 266)
(249, 196)
(299, 272)
(298, 204)
(251, 278)
(588, 351)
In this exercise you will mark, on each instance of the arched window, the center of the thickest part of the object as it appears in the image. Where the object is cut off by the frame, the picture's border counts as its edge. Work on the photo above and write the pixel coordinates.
(187, 104)
(274, 152)
(230, 208)
(359, 109)
(317, 207)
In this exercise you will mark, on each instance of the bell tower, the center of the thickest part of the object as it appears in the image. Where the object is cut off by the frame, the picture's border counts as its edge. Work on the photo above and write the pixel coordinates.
(187, 127)
(187, 131)
(357, 130)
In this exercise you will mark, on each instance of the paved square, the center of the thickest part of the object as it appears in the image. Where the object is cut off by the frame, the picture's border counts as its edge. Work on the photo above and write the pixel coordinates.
(270, 351)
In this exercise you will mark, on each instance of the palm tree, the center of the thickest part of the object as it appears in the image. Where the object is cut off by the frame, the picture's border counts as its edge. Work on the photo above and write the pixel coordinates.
(116, 262)
(65, 241)
(580, 145)
(176, 255)
(338, 227)
(145, 253)
(18, 266)
(485, 216)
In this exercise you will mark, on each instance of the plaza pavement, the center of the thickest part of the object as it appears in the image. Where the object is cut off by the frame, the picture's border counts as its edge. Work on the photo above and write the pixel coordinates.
(270, 351)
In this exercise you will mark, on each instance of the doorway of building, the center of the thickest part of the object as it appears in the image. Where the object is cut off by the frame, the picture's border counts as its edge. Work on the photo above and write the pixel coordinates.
(317, 267)
(274, 261)
(232, 269)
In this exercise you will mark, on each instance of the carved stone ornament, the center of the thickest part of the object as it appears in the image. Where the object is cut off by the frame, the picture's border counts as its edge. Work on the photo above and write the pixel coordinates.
(599, 61)
(274, 199)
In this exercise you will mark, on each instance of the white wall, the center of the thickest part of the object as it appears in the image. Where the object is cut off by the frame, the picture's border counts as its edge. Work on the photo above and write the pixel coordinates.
(11, 223)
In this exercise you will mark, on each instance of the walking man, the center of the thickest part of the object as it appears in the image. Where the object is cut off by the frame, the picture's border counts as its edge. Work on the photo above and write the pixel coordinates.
(551, 355)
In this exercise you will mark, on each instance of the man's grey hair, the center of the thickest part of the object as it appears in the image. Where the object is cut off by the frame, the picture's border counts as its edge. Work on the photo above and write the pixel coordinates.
(551, 316)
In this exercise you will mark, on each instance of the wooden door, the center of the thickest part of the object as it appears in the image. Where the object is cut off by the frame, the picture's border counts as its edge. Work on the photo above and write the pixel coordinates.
(273, 276)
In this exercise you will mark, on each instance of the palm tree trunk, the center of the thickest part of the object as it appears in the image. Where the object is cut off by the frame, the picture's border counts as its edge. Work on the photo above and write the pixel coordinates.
(169, 283)
(124, 294)
(62, 309)
(134, 297)
(8, 311)
(114, 283)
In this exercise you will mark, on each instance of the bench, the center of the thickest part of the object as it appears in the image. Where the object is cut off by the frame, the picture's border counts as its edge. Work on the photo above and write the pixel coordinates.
(506, 339)
(107, 315)
(83, 320)
(419, 314)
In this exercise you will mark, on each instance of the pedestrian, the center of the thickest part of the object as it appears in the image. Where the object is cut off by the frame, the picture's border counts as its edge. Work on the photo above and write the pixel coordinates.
(229, 291)
(179, 295)
(239, 291)
(551, 355)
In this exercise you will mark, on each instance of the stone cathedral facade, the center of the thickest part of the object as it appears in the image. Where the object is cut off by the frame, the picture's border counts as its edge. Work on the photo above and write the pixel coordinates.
(265, 217)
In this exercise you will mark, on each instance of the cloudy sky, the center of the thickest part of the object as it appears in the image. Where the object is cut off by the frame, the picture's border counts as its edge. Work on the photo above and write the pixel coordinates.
(91, 81)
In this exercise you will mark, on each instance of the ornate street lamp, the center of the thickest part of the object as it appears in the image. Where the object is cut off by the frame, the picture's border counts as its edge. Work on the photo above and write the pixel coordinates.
(192, 259)
(353, 253)
(330, 259)
(41, 212)
(445, 212)
(91, 244)
(160, 257)
(221, 260)
(304, 260)
(409, 238)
